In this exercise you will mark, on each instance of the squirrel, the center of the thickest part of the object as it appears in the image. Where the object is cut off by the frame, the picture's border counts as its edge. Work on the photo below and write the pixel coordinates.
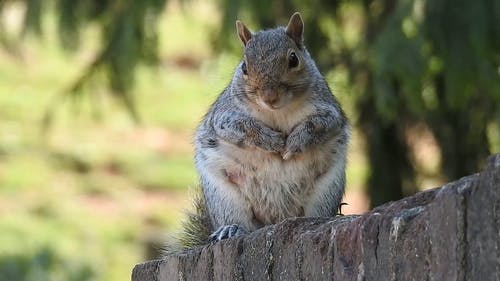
(273, 144)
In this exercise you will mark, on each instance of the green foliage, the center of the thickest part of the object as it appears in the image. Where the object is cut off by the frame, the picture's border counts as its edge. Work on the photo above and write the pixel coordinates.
(399, 63)
(442, 58)
(458, 34)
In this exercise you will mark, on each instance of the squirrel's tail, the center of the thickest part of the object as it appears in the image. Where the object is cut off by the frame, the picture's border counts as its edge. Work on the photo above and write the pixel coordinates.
(196, 228)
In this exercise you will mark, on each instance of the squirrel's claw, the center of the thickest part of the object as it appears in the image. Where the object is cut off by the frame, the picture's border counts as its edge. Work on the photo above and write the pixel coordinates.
(287, 155)
(290, 152)
(227, 231)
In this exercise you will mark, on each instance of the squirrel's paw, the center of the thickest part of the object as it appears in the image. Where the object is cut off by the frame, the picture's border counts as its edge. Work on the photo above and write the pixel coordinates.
(277, 145)
(227, 231)
(287, 155)
(290, 151)
(295, 144)
(272, 141)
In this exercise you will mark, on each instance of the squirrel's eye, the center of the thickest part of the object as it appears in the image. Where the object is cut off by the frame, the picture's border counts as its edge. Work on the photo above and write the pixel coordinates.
(244, 68)
(293, 61)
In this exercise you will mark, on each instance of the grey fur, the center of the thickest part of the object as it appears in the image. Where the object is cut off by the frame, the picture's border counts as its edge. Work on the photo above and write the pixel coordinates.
(273, 145)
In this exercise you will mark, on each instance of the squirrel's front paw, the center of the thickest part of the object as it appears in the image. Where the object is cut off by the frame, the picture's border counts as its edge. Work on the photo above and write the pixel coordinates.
(227, 231)
(292, 148)
(273, 141)
(278, 144)
(289, 153)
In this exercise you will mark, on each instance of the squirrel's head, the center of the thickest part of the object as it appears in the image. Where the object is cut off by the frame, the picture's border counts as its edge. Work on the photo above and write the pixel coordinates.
(275, 64)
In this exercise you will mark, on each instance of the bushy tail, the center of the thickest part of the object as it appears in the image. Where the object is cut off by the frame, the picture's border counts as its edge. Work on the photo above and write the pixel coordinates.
(195, 231)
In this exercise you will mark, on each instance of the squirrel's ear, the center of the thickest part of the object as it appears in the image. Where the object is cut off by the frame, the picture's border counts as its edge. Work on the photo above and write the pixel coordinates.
(243, 32)
(295, 29)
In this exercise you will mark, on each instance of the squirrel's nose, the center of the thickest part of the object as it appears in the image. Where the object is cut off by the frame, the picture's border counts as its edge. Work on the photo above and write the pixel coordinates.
(270, 97)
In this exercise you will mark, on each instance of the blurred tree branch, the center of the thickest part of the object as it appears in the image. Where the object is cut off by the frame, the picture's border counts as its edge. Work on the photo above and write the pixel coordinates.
(129, 36)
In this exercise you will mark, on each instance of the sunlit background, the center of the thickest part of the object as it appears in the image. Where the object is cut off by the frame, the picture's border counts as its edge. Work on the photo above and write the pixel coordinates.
(99, 101)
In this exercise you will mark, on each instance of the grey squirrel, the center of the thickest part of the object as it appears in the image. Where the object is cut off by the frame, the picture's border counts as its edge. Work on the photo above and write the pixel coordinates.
(272, 146)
